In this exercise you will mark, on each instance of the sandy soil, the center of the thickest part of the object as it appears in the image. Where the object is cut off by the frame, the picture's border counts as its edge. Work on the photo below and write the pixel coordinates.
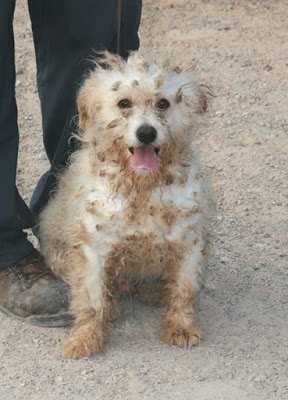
(241, 48)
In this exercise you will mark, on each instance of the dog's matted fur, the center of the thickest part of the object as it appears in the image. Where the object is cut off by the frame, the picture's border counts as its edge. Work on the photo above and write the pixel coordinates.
(133, 204)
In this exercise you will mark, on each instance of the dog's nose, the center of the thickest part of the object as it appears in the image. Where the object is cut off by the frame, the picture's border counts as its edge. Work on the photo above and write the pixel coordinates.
(146, 134)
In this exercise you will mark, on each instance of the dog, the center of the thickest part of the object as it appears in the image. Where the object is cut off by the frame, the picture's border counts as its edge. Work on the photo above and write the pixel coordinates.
(133, 205)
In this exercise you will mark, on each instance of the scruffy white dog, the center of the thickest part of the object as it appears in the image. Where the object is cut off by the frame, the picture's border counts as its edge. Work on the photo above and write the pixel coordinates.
(133, 205)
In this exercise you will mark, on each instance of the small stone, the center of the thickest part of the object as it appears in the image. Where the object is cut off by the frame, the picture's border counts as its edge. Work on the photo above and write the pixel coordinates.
(222, 26)
(224, 260)
(58, 380)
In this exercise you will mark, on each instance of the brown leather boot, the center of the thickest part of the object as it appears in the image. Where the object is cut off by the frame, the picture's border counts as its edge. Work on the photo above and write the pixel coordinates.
(29, 291)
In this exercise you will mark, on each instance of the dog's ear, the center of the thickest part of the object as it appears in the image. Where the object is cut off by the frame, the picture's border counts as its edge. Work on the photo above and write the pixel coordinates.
(81, 102)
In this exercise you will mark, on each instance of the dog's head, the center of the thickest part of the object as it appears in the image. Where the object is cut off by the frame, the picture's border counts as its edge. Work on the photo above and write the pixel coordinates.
(138, 113)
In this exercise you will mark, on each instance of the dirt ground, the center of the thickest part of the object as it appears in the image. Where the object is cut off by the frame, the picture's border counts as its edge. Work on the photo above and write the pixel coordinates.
(241, 49)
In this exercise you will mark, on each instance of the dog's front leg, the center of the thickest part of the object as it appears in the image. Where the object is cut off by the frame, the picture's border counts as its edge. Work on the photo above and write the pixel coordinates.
(92, 307)
(178, 323)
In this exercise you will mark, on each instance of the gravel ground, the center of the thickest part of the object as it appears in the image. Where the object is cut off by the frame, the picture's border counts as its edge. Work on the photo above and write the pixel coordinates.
(241, 49)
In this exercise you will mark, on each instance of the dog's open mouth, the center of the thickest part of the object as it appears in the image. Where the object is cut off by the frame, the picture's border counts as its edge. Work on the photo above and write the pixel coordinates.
(144, 157)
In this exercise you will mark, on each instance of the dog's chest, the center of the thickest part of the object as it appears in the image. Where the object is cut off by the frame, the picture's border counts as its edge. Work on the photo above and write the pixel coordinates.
(115, 217)
(138, 240)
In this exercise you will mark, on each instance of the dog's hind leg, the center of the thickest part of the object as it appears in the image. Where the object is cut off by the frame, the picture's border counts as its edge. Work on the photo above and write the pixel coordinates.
(179, 326)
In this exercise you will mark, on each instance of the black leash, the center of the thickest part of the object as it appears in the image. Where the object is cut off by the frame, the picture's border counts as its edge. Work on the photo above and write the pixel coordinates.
(119, 24)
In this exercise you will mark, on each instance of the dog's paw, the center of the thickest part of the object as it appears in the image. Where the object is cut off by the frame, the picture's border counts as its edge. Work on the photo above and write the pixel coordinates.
(79, 344)
(182, 337)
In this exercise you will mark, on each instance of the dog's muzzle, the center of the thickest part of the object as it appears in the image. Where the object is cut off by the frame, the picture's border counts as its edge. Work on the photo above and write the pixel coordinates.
(145, 156)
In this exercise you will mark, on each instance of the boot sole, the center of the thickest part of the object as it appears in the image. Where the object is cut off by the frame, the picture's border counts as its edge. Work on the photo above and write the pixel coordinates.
(49, 321)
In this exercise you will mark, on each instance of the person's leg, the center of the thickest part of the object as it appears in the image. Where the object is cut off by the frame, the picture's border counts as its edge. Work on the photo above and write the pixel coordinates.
(14, 214)
(28, 291)
(71, 32)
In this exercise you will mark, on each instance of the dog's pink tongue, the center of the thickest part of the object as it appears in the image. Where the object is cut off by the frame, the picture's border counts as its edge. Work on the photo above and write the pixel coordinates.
(144, 157)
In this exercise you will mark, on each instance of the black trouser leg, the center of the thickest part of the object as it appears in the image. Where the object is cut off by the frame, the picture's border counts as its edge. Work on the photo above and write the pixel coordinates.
(65, 34)
(14, 214)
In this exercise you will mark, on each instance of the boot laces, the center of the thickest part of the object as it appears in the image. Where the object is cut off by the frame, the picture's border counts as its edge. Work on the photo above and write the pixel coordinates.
(29, 269)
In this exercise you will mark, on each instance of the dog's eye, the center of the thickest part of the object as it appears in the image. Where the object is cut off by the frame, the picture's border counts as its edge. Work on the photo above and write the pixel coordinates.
(124, 103)
(162, 104)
